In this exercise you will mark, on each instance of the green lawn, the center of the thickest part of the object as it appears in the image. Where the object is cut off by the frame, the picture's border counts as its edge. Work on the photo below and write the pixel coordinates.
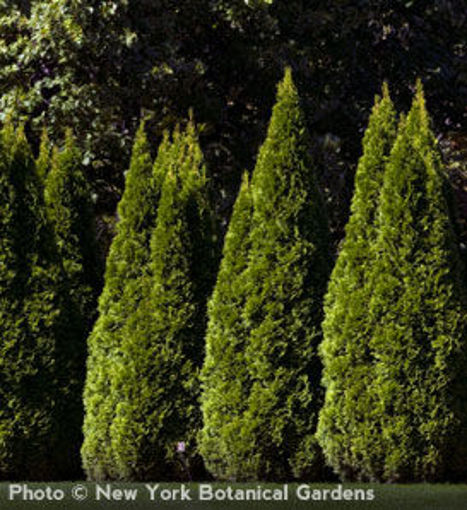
(390, 497)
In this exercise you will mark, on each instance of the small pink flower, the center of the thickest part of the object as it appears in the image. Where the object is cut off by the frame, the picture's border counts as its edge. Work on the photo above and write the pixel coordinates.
(181, 447)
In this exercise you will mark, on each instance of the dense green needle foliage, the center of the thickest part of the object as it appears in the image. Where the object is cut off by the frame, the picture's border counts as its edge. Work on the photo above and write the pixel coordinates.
(224, 375)
(33, 322)
(157, 379)
(70, 213)
(395, 353)
(345, 345)
(126, 265)
(285, 281)
(417, 320)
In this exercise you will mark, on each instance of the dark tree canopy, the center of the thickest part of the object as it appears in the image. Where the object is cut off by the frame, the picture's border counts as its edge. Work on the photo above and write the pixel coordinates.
(98, 66)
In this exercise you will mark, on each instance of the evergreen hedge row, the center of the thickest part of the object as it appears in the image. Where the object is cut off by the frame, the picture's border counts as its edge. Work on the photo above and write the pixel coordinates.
(276, 372)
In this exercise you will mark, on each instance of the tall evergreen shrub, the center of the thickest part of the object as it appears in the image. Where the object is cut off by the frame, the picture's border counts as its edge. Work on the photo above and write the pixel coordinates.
(32, 319)
(163, 344)
(70, 213)
(70, 210)
(126, 265)
(289, 264)
(417, 320)
(224, 375)
(344, 349)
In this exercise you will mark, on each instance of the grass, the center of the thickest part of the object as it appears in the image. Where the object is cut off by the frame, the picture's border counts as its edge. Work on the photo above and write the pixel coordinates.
(386, 497)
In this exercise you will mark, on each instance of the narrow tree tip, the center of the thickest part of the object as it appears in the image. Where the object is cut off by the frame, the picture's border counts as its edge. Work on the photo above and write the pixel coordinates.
(287, 83)
(245, 180)
(385, 91)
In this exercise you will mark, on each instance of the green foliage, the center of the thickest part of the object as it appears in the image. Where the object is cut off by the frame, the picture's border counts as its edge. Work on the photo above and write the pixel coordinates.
(95, 65)
(43, 160)
(396, 386)
(284, 284)
(126, 267)
(34, 322)
(344, 348)
(67, 75)
(224, 375)
(162, 344)
(70, 211)
(418, 321)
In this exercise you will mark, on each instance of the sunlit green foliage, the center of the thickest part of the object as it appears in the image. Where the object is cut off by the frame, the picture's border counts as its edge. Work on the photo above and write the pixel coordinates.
(157, 379)
(224, 375)
(283, 286)
(417, 320)
(126, 266)
(395, 407)
(345, 345)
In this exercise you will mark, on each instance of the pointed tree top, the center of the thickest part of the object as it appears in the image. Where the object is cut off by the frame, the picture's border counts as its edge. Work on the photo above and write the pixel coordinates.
(288, 79)
(21, 144)
(245, 184)
(418, 120)
(385, 89)
(286, 87)
(45, 140)
(140, 146)
(419, 93)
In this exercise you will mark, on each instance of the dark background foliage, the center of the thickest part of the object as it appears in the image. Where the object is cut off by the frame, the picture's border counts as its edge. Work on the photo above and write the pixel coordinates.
(98, 66)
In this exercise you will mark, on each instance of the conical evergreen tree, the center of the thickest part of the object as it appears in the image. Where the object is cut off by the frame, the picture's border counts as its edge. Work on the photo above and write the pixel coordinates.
(417, 320)
(344, 347)
(126, 265)
(286, 278)
(163, 344)
(70, 213)
(31, 319)
(224, 375)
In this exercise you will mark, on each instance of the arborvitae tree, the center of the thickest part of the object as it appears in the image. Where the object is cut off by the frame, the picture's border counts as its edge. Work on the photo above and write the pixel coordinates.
(224, 375)
(31, 319)
(344, 348)
(286, 278)
(163, 344)
(43, 160)
(416, 320)
(126, 265)
(70, 213)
